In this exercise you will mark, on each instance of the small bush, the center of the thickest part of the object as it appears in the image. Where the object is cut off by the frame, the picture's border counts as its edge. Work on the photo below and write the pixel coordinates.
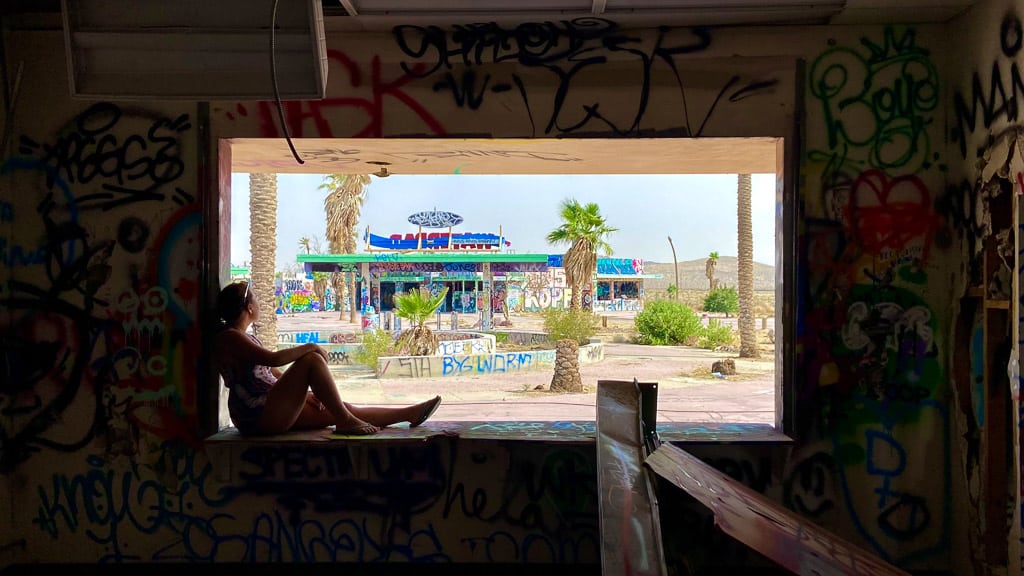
(666, 322)
(722, 300)
(375, 343)
(715, 334)
(578, 325)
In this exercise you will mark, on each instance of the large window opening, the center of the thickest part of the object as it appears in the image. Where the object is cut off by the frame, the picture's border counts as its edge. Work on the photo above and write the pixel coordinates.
(483, 228)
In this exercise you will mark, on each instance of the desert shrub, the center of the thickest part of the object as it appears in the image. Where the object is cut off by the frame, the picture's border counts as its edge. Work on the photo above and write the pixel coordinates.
(722, 300)
(715, 334)
(375, 343)
(499, 337)
(666, 322)
(578, 325)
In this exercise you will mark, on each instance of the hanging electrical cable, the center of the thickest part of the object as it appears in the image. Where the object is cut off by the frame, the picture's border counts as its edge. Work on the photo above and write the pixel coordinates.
(273, 77)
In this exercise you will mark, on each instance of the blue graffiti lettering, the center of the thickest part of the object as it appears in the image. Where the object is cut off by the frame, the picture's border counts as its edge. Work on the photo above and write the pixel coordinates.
(877, 465)
(15, 255)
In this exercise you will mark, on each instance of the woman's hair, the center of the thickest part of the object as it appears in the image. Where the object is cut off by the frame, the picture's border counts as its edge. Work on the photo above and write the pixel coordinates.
(232, 300)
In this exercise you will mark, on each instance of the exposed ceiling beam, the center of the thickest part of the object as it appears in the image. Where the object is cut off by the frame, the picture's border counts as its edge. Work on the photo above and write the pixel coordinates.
(407, 156)
(599, 6)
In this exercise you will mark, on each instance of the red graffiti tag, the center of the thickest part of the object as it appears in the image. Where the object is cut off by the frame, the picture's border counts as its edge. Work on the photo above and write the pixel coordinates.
(890, 214)
(297, 113)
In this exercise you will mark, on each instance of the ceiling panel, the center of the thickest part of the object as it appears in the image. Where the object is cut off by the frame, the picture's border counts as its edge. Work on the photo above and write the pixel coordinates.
(384, 14)
(381, 14)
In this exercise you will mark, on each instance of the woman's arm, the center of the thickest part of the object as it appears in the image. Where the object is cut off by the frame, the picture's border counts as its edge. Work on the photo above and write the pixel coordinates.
(239, 346)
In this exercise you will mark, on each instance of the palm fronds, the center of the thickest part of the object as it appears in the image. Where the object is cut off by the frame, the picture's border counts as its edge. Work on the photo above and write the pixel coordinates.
(417, 306)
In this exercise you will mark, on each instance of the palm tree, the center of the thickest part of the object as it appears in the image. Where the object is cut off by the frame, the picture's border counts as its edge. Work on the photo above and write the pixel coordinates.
(418, 306)
(304, 243)
(709, 269)
(745, 268)
(345, 196)
(263, 245)
(586, 231)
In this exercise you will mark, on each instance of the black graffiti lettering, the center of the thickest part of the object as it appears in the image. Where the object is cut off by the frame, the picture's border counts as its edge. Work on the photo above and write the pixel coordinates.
(805, 490)
(1010, 37)
(464, 90)
(296, 463)
(430, 38)
(1000, 101)
(128, 168)
(565, 479)
(529, 44)
(565, 49)
(993, 106)
(339, 357)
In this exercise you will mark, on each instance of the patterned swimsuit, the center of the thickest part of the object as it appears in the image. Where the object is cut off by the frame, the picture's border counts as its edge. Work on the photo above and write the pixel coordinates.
(247, 392)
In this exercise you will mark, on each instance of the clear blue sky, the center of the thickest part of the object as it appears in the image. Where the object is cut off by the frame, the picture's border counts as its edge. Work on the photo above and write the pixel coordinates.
(697, 210)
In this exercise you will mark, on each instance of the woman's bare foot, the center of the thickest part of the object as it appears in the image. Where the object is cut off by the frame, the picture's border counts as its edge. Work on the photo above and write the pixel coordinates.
(355, 427)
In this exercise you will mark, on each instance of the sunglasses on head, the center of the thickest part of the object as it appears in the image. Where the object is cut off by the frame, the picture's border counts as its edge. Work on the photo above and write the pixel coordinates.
(245, 295)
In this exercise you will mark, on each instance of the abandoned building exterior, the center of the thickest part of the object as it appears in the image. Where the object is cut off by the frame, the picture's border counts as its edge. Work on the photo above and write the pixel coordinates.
(901, 165)
(516, 282)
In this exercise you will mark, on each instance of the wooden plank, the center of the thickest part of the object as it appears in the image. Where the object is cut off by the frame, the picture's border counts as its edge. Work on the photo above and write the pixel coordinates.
(995, 435)
(506, 156)
(630, 527)
(797, 544)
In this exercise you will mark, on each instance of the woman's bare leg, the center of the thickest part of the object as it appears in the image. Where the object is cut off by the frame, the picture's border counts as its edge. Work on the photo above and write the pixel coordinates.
(287, 399)
(313, 418)
(386, 415)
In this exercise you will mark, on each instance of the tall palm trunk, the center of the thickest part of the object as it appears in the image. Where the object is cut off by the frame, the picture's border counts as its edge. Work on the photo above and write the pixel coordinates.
(263, 245)
(338, 287)
(745, 267)
(575, 295)
(352, 297)
(342, 205)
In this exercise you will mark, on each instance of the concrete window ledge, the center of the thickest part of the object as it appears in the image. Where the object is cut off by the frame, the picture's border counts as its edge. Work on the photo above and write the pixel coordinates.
(224, 448)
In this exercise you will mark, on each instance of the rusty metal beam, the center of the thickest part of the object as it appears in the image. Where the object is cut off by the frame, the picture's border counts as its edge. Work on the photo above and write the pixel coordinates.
(628, 509)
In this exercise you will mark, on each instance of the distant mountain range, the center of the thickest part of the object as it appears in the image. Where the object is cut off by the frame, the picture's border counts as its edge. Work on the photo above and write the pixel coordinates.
(691, 275)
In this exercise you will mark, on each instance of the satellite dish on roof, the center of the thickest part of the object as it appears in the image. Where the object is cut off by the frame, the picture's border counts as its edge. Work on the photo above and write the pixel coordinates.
(435, 219)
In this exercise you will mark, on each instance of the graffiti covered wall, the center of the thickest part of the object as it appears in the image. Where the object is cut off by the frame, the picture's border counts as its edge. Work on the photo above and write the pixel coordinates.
(872, 323)
(99, 417)
(986, 179)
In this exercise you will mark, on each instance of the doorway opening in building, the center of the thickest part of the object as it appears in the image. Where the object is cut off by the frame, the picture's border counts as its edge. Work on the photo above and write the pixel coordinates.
(483, 228)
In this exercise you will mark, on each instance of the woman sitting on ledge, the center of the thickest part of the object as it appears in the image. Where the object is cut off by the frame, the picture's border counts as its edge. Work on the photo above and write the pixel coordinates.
(265, 400)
